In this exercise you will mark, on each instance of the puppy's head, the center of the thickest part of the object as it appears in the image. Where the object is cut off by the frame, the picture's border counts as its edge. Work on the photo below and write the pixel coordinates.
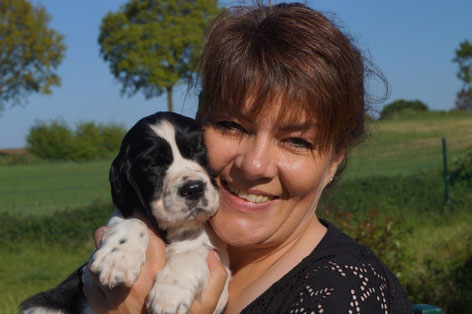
(162, 170)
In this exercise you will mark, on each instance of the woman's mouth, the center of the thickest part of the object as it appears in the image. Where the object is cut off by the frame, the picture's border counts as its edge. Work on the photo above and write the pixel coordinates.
(253, 198)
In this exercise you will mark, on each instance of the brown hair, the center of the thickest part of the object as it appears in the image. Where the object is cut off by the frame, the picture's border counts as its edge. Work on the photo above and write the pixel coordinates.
(292, 53)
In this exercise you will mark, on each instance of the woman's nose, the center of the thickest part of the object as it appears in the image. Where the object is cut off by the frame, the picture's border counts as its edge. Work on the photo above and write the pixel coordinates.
(256, 159)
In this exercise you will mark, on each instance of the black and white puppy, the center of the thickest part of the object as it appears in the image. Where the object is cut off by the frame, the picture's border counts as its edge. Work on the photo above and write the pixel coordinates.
(161, 170)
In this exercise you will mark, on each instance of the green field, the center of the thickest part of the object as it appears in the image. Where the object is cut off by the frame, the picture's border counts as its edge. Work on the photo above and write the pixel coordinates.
(390, 198)
(406, 146)
(44, 187)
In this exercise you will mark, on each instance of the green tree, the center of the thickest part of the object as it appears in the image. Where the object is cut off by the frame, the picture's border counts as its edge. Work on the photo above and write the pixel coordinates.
(151, 46)
(463, 59)
(401, 106)
(30, 51)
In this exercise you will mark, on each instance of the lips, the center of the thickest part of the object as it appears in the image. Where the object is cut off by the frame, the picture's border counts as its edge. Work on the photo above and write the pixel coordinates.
(251, 197)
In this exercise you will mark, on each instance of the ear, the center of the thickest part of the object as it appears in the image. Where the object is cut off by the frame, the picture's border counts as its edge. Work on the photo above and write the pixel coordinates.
(121, 191)
(336, 163)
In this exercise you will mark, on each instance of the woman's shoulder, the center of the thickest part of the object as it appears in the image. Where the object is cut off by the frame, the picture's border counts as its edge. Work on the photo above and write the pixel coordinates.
(339, 276)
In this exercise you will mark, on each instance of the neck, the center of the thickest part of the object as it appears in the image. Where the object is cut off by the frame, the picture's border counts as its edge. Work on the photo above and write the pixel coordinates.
(242, 257)
(184, 232)
(256, 269)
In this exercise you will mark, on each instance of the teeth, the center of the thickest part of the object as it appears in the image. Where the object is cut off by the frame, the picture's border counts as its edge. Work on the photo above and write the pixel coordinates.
(254, 198)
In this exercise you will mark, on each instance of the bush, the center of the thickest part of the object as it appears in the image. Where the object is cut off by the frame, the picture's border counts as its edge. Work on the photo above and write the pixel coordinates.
(111, 134)
(90, 141)
(87, 142)
(53, 141)
(462, 168)
(400, 107)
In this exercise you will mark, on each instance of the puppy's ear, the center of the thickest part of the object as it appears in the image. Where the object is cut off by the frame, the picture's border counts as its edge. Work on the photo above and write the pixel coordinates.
(122, 192)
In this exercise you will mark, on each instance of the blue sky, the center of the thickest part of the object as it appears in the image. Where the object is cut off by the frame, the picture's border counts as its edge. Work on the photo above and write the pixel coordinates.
(411, 41)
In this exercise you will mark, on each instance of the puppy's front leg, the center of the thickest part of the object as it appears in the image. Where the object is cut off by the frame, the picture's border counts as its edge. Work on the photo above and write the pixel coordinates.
(183, 278)
(123, 252)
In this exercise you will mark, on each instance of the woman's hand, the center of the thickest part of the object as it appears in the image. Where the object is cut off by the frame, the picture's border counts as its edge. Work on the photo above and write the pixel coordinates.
(133, 300)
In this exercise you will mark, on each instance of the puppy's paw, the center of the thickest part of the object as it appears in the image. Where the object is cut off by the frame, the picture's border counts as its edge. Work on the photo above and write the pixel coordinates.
(167, 299)
(118, 261)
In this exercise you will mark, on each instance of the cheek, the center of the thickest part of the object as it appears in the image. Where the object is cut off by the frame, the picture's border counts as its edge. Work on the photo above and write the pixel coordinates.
(220, 150)
(304, 179)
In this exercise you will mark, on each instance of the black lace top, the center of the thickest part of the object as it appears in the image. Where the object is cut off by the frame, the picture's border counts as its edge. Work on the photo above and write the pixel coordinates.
(339, 276)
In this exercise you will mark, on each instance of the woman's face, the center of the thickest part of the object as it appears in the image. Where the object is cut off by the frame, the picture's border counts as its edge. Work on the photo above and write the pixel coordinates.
(270, 177)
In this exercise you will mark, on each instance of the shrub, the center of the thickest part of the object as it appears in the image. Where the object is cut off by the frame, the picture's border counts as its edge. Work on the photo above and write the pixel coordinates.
(462, 168)
(52, 141)
(89, 141)
(111, 134)
(400, 107)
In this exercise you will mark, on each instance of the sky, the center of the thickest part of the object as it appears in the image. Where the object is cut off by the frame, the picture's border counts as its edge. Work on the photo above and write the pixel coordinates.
(412, 42)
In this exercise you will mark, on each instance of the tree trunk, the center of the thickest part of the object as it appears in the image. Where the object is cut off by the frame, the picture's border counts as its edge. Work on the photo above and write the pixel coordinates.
(169, 99)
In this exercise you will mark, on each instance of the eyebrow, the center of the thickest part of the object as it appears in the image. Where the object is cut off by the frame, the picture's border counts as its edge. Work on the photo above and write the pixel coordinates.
(298, 127)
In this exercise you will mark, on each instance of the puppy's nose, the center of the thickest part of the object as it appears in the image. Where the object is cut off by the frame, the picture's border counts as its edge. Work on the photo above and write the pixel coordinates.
(192, 190)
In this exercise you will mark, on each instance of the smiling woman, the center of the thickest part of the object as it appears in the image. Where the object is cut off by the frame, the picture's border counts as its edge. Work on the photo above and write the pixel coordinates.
(281, 105)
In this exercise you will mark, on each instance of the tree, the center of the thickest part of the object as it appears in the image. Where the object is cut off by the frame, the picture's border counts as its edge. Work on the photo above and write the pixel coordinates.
(151, 45)
(30, 52)
(464, 99)
(401, 105)
(464, 60)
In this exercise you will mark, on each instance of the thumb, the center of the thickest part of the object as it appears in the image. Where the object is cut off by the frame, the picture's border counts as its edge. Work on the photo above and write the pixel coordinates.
(216, 284)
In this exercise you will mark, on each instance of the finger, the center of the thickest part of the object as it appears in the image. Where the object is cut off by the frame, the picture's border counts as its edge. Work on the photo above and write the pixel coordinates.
(99, 236)
(214, 289)
(96, 298)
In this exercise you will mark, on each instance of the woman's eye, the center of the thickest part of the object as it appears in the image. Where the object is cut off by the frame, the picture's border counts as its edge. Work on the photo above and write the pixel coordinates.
(299, 143)
(230, 126)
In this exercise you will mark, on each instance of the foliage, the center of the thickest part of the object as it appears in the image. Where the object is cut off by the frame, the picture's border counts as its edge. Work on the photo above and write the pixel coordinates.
(462, 168)
(442, 273)
(464, 99)
(89, 141)
(151, 46)
(53, 141)
(397, 107)
(56, 229)
(463, 59)
(30, 54)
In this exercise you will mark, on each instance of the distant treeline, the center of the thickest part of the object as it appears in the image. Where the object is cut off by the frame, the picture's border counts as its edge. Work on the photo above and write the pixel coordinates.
(56, 140)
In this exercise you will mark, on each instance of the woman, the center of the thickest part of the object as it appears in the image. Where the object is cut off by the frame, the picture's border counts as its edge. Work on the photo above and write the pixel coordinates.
(282, 103)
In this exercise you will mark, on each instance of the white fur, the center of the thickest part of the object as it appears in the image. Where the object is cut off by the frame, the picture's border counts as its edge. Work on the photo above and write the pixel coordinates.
(123, 251)
(41, 310)
(171, 209)
(183, 278)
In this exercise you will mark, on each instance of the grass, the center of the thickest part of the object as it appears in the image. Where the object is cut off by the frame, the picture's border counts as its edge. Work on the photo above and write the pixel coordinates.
(43, 188)
(35, 268)
(40, 251)
(411, 144)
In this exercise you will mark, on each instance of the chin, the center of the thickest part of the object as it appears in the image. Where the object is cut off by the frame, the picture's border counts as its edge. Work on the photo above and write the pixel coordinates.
(240, 232)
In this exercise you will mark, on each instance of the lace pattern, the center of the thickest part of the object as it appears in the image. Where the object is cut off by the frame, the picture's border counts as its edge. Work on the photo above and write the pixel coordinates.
(339, 276)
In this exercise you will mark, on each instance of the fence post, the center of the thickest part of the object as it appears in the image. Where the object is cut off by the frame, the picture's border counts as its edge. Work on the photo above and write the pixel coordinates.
(446, 173)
